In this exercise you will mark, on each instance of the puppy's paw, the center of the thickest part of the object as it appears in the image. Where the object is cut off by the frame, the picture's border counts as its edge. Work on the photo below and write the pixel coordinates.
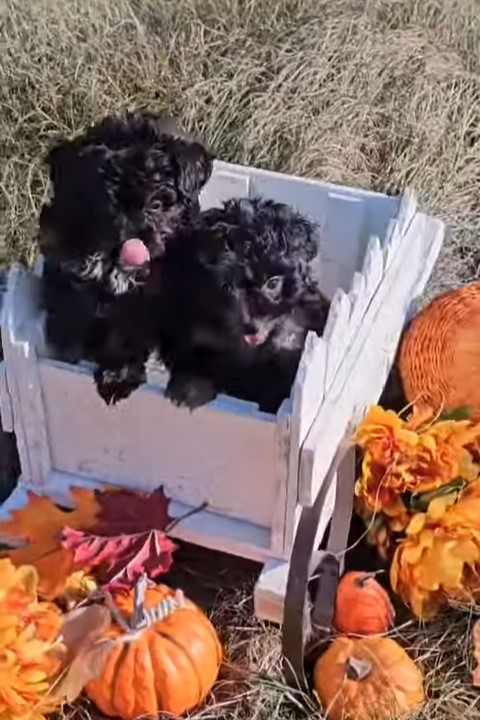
(118, 384)
(190, 391)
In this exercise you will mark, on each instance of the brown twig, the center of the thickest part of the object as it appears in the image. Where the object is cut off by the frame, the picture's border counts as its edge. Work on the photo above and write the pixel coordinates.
(177, 521)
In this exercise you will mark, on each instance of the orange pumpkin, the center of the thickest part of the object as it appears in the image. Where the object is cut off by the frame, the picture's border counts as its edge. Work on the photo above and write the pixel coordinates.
(166, 665)
(369, 678)
(439, 359)
(362, 606)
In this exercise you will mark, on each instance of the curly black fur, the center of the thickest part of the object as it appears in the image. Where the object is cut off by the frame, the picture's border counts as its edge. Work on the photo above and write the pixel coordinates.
(238, 297)
(127, 177)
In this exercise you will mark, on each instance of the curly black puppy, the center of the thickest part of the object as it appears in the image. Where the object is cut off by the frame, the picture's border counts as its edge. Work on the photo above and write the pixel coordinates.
(122, 192)
(238, 298)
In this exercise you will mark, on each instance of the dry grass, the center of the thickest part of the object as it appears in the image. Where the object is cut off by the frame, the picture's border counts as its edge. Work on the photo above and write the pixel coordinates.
(376, 93)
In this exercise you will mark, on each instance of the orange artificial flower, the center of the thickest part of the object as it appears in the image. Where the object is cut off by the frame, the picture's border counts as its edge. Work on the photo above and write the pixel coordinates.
(30, 655)
(439, 560)
(416, 455)
(384, 436)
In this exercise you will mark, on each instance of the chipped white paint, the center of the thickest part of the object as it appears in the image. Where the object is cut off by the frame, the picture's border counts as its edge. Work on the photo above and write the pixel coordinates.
(255, 471)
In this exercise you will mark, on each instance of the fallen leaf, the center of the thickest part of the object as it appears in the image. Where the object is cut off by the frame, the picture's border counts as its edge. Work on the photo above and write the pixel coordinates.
(83, 626)
(125, 512)
(39, 524)
(123, 559)
(86, 666)
(86, 650)
(476, 653)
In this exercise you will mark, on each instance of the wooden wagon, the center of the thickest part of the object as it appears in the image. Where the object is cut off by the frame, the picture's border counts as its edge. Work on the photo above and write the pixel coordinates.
(256, 472)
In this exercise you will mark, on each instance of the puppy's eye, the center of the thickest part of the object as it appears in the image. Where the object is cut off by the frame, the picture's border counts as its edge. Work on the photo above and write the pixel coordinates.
(273, 286)
(164, 198)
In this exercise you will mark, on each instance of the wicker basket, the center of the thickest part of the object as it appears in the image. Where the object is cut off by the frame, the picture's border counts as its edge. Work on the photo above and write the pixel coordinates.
(440, 354)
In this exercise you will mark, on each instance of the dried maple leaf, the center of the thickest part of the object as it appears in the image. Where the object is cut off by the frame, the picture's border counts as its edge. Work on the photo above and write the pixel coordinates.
(124, 558)
(82, 634)
(125, 512)
(39, 524)
(83, 626)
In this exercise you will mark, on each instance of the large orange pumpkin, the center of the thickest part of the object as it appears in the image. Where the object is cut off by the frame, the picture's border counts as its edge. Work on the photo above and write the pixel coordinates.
(169, 665)
(362, 606)
(439, 358)
(369, 678)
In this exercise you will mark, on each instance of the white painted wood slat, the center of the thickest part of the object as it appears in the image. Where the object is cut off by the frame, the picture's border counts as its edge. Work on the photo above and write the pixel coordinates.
(366, 366)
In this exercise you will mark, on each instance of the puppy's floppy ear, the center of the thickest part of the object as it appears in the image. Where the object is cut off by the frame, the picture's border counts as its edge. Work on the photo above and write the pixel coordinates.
(194, 166)
(60, 160)
(168, 125)
(48, 237)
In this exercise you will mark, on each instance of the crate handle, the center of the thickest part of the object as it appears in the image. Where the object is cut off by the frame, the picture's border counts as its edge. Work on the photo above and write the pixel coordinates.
(298, 623)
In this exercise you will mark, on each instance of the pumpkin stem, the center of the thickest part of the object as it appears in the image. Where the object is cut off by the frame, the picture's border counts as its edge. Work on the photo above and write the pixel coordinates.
(139, 602)
(143, 617)
(357, 669)
(363, 579)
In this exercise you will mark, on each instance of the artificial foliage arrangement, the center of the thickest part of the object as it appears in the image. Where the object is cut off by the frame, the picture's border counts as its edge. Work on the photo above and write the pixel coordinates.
(31, 652)
(419, 495)
(80, 611)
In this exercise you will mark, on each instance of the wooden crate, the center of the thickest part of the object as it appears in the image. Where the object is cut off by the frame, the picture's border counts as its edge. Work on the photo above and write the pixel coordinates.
(255, 470)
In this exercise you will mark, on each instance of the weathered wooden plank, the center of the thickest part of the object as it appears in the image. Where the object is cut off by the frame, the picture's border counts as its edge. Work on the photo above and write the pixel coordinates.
(382, 205)
(399, 226)
(221, 454)
(19, 325)
(344, 219)
(373, 268)
(365, 367)
(6, 410)
(336, 334)
(287, 491)
(309, 386)
(306, 198)
(222, 186)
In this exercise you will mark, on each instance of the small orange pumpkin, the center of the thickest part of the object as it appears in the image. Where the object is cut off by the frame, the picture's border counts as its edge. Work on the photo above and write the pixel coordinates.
(168, 665)
(365, 678)
(362, 606)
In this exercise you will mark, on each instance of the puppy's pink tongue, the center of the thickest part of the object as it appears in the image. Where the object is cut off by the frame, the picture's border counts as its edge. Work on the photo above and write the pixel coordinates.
(134, 252)
(254, 340)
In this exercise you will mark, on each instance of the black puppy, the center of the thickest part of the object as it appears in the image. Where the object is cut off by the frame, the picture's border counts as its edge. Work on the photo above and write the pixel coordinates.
(121, 193)
(238, 297)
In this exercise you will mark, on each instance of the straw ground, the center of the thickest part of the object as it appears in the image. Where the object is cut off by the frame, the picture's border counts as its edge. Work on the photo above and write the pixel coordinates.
(375, 93)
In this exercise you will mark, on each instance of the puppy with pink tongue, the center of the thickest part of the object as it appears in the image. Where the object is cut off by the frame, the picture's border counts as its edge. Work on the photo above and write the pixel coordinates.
(134, 253)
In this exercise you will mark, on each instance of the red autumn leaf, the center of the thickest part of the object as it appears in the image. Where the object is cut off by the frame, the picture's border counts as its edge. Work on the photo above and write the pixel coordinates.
(128, 512)
(124, 557)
